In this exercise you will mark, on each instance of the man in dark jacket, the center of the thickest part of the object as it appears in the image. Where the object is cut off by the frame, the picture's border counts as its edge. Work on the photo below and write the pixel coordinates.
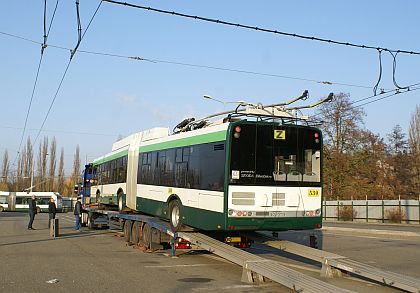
(51, 211)
(32, 211)
(77, 214)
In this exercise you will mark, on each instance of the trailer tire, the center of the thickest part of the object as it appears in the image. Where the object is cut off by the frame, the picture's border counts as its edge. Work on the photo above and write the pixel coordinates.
(127, 230)
(84, 220)
(89, 222)
(147, 236)
(135, 233)
(175, 215)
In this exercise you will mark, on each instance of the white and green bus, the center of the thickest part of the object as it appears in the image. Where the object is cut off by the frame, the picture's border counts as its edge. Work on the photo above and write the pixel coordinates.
(4, 205)
(254, 171)
(19, 201)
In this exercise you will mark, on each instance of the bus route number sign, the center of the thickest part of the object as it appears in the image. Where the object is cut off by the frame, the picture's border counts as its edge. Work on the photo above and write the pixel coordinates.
(279, 134)
(313, 192)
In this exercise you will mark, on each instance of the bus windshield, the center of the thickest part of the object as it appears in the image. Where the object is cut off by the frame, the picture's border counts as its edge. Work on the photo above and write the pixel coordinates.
(271, 155)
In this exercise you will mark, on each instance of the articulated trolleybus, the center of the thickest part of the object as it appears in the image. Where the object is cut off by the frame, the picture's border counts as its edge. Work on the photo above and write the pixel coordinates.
(257, 168)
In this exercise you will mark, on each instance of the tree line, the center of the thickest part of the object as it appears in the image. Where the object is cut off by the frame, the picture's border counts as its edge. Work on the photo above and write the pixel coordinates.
(41, 171)
(359, 164)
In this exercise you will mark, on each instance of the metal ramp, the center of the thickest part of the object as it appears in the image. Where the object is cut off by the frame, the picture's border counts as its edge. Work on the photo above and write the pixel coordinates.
(334, 264)
(256, 268)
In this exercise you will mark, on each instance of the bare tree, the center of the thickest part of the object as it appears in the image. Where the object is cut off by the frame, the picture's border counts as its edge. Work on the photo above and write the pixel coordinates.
(342, 122)
(342, 131)
(414, 149)
(28, 161)
(60, 181)
(76, 167)
(4, 185)
(20, 184)
(42, 165)
(53, 163)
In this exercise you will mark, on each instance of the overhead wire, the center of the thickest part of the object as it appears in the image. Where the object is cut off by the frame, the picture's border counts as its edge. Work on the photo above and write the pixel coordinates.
(153, 60)
(255, 28)
(43, 46)
(398, 90)
(72, 53)
(62, 131)
(394, 68)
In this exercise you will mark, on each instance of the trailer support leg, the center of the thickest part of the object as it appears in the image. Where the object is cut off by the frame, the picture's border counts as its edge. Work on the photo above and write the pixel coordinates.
(327, 271)
(172, 246)
(251, 277)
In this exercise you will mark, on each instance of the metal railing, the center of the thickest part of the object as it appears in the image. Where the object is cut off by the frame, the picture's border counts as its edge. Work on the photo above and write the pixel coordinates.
(384, 211)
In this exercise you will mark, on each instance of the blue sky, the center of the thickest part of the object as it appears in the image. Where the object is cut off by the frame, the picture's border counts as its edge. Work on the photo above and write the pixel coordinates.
(107, 96)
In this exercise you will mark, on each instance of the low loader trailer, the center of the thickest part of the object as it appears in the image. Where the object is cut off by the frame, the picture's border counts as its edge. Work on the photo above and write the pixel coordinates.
(155, 234)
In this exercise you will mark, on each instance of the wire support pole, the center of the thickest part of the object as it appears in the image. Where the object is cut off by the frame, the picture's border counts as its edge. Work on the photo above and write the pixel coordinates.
(255, 28)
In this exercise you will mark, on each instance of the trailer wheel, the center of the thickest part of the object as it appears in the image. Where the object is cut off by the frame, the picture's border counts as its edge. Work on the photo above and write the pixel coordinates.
(89, 222)
(135, 233)
(84, 220)
(175, 215)
(127, 230)
(147, 236)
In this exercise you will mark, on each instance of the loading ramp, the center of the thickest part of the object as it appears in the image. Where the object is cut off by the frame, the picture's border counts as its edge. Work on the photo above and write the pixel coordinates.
(256, 269)
(334, 264)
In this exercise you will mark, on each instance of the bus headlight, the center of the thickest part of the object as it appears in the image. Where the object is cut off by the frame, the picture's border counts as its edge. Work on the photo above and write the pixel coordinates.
(318, 212)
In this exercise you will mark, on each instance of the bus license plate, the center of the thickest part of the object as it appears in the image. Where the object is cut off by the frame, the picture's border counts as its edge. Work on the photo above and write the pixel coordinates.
(313, 192)
(276, 214)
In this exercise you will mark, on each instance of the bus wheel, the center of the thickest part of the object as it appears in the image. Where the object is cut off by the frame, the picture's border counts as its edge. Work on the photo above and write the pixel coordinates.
(1, 209)
(121, 203)
(98, 197)
(175, 215)
(147, 236)
(38, 210)
(127, 230)
(135, 233)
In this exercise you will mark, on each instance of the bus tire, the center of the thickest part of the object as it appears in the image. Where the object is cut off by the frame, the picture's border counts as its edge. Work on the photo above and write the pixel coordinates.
(135, 233)
(121, 202)
(38, 210)
(1, 209)
(127, 230)
(147, 236)
(98, 197)
(175, 215)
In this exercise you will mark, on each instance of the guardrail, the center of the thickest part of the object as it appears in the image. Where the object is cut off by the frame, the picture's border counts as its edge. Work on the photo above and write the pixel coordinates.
(382, 211)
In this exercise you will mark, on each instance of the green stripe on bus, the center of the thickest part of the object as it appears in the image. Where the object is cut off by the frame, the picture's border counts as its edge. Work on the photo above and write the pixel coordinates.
(188, 141)
(111, 157)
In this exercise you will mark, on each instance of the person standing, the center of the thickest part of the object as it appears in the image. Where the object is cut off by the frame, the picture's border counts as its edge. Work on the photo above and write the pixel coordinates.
(32, 211)
(77, 214)
(51, 211)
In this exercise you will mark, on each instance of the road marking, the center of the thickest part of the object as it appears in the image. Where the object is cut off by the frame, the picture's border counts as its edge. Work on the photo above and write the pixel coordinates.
(184, 266)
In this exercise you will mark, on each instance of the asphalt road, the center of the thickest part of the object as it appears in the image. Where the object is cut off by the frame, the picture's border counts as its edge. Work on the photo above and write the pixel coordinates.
(98, 261)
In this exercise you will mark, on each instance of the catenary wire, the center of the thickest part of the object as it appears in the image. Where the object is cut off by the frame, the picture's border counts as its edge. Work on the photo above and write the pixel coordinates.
(73, 52)
(152, 60)
(43, 46)
(61, 131)
(255, 28)
(408, 88)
